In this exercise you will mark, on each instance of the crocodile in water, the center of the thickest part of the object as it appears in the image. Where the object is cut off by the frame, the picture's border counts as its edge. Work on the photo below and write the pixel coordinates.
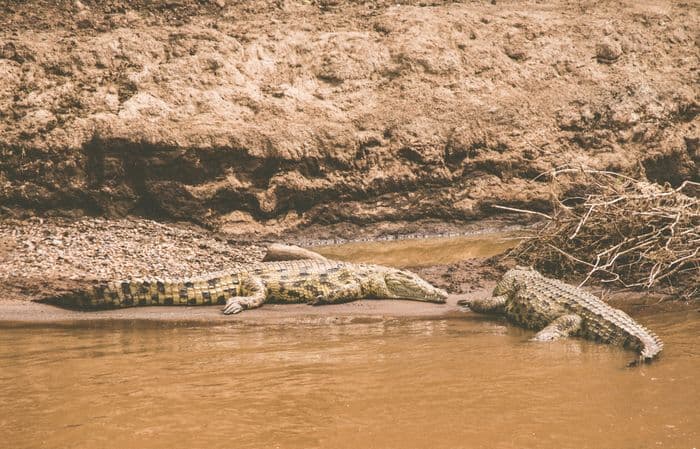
(557, 310)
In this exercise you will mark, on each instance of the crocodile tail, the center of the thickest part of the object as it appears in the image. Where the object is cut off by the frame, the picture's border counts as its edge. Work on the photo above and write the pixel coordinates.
(151, 291)
(103, 295)
(84, 297)
(74, 299)
(650, 345)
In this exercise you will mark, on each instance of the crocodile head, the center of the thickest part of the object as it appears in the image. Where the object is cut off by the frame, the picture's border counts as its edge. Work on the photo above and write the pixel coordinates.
(403, 284)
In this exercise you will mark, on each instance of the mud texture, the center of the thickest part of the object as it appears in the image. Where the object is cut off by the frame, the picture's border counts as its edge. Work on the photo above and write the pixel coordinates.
(259, 117)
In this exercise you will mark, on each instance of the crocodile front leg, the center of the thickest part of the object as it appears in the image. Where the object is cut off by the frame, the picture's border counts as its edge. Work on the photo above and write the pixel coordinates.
(492, 305)
(348, 292)
(562, 326)
(255, 294)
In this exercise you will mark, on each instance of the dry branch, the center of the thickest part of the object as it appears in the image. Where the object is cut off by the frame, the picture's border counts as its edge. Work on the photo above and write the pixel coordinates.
(617, 229)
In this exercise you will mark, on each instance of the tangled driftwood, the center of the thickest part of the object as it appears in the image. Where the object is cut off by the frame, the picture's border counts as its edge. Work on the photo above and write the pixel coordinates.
(621, 230)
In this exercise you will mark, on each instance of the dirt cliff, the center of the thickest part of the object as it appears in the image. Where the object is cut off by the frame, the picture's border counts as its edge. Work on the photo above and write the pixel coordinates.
(261, 116)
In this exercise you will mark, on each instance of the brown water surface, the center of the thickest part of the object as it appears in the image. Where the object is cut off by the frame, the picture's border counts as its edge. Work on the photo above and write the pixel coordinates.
(422, 251)
(466, 382)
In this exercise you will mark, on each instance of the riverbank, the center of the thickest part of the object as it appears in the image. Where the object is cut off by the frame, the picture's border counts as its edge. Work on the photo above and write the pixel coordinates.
(17, 313)
(256, 118)
(40, 258)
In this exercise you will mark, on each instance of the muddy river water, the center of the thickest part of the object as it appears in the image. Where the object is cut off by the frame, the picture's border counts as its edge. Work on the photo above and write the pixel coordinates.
(457, 383)
(462, 381)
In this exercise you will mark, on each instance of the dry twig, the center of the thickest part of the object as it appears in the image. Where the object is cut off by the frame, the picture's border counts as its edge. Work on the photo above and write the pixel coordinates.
(614, 228)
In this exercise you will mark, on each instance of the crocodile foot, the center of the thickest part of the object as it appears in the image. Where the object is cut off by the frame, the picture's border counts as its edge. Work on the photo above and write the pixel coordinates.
(233, 306)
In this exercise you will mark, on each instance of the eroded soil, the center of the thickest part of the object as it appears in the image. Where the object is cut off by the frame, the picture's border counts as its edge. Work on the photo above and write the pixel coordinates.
(257, 117)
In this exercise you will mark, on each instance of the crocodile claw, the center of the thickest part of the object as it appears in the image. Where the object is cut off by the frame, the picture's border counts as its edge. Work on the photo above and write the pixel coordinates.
(233, 307)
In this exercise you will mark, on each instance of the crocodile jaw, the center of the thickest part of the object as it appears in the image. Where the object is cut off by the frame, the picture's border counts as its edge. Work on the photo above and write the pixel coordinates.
(406, 285)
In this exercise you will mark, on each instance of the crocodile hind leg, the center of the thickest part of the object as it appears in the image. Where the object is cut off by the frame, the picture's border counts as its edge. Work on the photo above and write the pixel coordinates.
(494, 304)
(255, 291)
(562, 326)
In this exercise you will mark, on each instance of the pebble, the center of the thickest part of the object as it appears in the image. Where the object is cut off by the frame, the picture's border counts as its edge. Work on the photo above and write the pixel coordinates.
(8, 51)
(117, 249)
(608, 51)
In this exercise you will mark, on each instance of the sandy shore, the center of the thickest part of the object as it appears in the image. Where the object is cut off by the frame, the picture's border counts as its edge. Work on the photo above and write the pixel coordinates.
(17, 313)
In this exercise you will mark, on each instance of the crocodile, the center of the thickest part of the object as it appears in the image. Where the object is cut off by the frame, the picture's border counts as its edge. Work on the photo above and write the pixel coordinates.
(558, 310)
(311, 280)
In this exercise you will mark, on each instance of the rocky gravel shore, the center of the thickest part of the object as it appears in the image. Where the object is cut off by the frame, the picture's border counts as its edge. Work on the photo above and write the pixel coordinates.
(94, 248)
(43, 257)
(40, 257)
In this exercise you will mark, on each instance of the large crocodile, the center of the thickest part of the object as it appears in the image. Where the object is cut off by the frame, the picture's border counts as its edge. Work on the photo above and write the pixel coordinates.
(312, 280)
(558, 310)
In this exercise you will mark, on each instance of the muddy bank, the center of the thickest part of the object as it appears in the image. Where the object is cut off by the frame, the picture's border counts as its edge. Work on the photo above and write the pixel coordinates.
(44, 258)
(260, 117)
(40, 258)
(14, 313)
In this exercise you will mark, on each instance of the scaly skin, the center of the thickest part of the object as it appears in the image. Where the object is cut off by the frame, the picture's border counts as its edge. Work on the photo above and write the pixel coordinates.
(318, 281)
(558, 310)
